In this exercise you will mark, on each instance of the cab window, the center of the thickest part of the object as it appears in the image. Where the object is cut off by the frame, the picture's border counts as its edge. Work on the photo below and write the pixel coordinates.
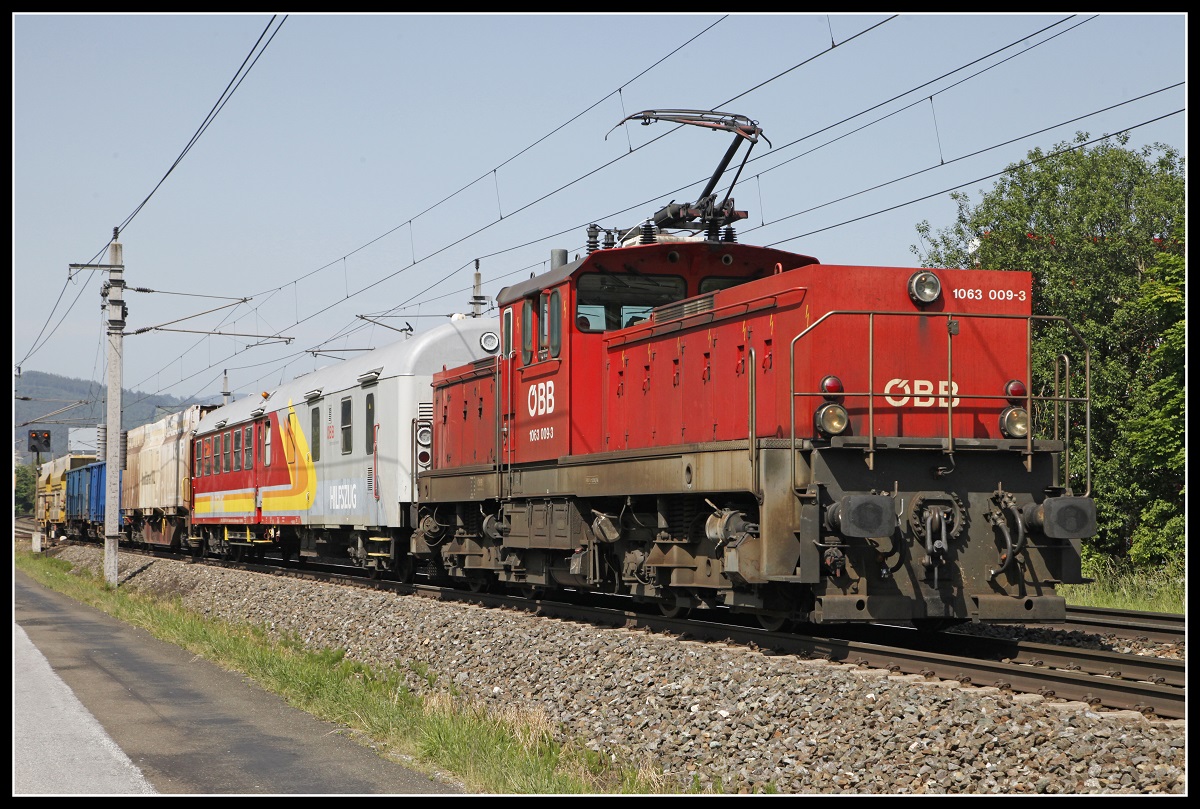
(555, 323)
(543, 324)
(610, 300)
(715, 282)
(526, 332)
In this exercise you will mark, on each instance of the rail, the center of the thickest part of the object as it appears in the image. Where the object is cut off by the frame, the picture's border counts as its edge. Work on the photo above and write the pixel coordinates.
(1058, 399)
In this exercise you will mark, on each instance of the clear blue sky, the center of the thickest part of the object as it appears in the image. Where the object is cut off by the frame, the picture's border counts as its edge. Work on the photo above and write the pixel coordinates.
(316, 187)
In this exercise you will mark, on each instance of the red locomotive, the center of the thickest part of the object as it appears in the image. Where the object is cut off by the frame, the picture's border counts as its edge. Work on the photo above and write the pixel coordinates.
(696, 422)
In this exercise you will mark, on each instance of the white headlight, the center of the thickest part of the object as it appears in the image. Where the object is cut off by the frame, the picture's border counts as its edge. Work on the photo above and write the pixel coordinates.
(924, 288)
(424, 435)
(489, 342)
(1014, 422)
(831, 419)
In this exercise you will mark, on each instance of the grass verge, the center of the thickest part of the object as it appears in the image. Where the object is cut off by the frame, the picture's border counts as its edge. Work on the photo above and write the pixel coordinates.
(1119, 586)
(511, 752)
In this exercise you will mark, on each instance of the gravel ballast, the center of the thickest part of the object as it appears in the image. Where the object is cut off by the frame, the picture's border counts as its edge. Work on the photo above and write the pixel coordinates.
(712, 717)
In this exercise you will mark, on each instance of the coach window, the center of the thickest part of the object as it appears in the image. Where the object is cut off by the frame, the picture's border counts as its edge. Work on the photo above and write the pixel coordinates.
(347, 428)
(369, 424)
(526, 332)
(555, 323)
(199, 459)
(249, 445)
(237, 450)
(266, 430)
(315, 441)
(226, 464)
(208, 456)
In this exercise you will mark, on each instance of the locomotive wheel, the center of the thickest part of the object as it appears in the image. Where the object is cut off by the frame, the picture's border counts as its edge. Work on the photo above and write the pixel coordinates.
(771, 622)
(671, 608)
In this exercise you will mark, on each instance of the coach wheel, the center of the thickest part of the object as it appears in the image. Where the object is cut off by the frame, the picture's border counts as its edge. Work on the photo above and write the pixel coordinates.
(772, 622)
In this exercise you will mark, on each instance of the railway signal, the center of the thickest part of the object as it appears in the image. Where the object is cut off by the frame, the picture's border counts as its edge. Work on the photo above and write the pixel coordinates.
(39, 441)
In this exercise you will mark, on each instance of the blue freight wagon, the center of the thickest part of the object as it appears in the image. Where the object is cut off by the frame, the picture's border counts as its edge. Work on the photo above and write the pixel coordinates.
(86, 501)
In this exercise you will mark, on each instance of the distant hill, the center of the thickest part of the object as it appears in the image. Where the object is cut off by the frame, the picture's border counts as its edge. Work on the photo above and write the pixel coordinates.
(37, 394)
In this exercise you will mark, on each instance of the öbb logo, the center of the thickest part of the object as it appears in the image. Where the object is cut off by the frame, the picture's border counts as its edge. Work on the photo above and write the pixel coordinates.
(541, 398)
(920, 391)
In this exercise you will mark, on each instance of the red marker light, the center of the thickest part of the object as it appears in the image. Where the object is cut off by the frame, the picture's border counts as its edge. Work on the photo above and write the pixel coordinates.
(1015, 390)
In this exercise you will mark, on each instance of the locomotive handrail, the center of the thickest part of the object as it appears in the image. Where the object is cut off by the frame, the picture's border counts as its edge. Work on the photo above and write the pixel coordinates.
(1065, 399)
(752, 435)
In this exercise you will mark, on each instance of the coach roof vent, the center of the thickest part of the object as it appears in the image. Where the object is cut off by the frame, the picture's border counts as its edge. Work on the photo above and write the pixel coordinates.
(312, 394)
(369, 377)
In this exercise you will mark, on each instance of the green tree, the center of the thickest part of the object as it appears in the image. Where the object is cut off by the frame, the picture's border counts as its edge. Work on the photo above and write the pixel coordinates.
(1102, 231)
(1155, 446)
(24, 486)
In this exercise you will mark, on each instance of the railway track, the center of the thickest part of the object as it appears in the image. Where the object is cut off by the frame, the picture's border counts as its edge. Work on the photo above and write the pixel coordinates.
(1101, 678)
(1111, 680)
(1155, 626)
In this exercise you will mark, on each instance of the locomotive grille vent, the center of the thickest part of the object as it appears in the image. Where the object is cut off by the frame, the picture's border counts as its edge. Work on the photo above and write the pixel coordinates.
(370, 479)
(682, 309)
(425, 411)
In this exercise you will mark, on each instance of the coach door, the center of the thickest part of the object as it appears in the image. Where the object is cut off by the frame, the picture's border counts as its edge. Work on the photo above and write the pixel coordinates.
(257, 435)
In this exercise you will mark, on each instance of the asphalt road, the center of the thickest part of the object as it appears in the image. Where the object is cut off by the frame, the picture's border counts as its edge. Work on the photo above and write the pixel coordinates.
(101, 707)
